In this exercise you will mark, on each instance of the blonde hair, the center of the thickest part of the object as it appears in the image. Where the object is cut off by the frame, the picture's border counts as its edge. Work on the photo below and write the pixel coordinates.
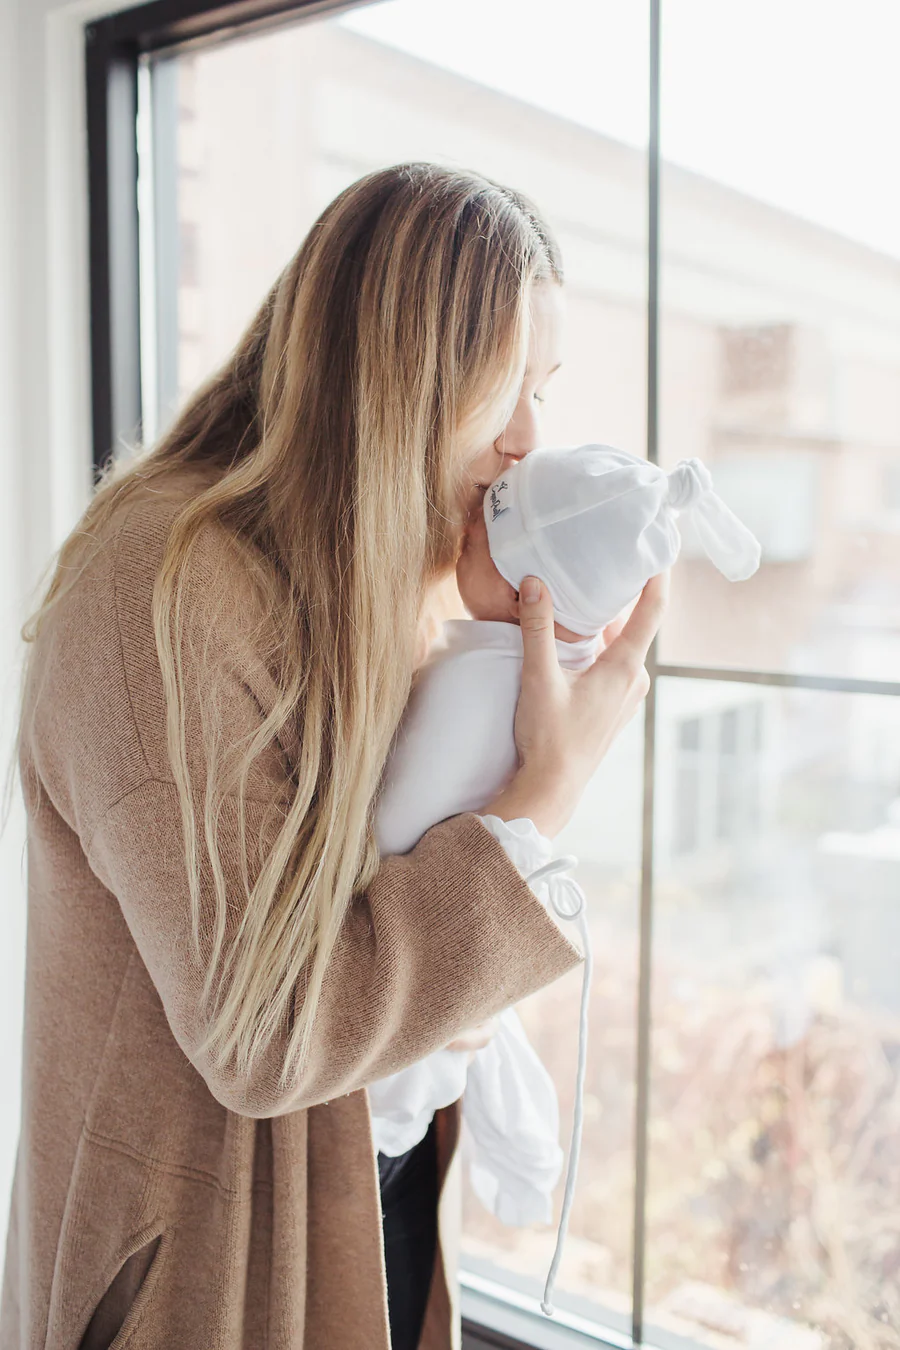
(331, 436)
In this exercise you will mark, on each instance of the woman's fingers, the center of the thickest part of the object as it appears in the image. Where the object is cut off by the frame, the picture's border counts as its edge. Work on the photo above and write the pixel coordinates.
(538, 635)
(564, 727)
(633, 641)
(612, 630)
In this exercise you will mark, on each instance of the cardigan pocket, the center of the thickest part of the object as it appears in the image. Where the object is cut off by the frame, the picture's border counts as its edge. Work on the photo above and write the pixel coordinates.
(113, 1246)
(123, 1305)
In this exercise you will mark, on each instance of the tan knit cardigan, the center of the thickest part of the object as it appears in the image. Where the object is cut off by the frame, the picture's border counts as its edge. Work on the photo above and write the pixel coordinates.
(157, 1201)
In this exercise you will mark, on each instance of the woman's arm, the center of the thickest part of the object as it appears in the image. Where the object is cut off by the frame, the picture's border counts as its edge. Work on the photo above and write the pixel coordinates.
(443, 938)
(446, 936)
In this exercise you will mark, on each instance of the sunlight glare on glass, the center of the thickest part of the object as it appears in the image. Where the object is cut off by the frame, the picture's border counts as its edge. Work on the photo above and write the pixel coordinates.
(794, 102)
(585, 62)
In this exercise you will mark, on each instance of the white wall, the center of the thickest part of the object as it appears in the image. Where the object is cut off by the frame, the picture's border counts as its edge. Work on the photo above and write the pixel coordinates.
(44, 405)
(11, 920)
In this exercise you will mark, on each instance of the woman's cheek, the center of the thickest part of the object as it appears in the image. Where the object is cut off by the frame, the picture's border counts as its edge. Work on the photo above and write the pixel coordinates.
(481, 468)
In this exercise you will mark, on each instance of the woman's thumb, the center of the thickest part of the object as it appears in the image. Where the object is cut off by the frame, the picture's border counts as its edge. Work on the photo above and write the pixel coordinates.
(536, 622)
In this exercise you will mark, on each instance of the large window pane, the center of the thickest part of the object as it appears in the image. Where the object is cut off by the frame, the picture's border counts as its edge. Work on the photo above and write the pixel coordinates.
(325, 102)
(558, 110)
(780, 329)
(774, 1130)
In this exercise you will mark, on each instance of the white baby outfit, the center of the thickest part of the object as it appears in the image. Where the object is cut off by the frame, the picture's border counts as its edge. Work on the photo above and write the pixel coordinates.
(454, 752)
(595, 524)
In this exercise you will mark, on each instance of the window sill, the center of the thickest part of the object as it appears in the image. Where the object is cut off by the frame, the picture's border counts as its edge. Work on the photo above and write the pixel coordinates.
(495, 1317)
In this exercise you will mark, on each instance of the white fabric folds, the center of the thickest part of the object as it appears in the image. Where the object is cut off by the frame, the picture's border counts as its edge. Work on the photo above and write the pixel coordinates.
(453, 752)
(510, 1119)
(511, 1112)
(596, 523)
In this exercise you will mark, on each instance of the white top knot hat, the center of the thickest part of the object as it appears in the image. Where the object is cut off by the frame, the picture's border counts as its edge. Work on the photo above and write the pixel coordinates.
(596, 523)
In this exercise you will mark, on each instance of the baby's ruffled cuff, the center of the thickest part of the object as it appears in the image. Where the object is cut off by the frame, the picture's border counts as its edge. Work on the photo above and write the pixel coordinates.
(524, 845)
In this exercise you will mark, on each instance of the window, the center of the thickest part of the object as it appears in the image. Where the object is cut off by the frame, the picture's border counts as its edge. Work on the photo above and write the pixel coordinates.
(742, 858)
(718, 771)
(776, 1018)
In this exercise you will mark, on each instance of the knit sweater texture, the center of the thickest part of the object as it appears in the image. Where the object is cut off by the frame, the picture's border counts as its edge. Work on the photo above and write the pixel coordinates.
(159, 1200)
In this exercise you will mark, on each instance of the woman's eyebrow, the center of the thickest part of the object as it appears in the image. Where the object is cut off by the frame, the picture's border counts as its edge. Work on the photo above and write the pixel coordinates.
(550, 372)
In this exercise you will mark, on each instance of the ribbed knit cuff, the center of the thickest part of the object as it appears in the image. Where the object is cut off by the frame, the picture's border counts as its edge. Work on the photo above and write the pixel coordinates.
(528, 849)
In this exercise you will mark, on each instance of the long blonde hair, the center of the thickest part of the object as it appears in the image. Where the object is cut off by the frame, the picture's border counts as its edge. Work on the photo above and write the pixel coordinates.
(332, 440)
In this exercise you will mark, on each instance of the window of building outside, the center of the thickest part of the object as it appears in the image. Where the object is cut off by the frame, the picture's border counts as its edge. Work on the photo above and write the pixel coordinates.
(773, 1200)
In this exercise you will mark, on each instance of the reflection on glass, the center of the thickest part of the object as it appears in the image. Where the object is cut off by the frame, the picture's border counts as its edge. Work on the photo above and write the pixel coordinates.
(780, 326)
(780, 329)
(775, 1125)
(323, 103)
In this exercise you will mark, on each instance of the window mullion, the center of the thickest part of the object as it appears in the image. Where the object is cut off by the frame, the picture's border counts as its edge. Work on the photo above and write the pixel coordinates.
(642, 1101)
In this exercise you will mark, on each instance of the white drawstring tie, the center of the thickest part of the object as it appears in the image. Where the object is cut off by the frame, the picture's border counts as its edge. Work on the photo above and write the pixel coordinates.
(726, 540)
(568, 901)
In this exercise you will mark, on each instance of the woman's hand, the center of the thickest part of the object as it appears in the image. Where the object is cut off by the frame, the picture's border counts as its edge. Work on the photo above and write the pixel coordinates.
(566, 723)
(474, 1039)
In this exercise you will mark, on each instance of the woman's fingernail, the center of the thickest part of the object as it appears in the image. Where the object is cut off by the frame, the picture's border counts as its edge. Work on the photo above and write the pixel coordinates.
(531, 590)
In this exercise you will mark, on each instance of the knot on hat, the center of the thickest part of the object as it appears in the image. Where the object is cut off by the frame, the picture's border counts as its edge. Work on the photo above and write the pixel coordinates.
(688, 481)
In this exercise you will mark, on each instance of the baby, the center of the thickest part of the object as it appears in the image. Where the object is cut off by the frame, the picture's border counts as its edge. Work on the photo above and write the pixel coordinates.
(595, 524)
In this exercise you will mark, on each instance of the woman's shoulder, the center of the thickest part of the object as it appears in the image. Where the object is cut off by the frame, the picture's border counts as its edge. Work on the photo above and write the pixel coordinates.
(215, 576)
(103, 611)
(222, 598)
(95, 703)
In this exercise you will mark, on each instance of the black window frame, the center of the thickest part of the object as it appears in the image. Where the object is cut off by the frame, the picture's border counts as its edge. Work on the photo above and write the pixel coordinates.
(114, 46)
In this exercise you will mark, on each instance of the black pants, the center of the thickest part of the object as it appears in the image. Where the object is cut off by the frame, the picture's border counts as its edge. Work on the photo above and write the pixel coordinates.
(409, 1196)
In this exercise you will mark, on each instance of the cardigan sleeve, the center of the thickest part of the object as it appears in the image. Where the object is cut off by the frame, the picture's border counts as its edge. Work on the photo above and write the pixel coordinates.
(446, 936)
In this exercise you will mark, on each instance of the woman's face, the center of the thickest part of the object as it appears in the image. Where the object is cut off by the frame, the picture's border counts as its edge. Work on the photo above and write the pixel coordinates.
(523, 431)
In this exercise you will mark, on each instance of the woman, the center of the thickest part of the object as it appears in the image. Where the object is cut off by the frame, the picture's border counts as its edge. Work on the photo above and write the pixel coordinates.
(218, 961)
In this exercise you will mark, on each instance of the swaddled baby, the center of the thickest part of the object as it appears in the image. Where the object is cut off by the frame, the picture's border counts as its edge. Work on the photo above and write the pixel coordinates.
(595, 524)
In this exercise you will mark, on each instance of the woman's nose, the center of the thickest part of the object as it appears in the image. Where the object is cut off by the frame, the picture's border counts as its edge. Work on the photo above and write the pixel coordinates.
(520, 436)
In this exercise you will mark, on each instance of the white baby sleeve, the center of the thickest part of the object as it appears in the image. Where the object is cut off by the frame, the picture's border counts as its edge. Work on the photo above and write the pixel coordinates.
(510, 1109)
(403, 1104)
(455, 751)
